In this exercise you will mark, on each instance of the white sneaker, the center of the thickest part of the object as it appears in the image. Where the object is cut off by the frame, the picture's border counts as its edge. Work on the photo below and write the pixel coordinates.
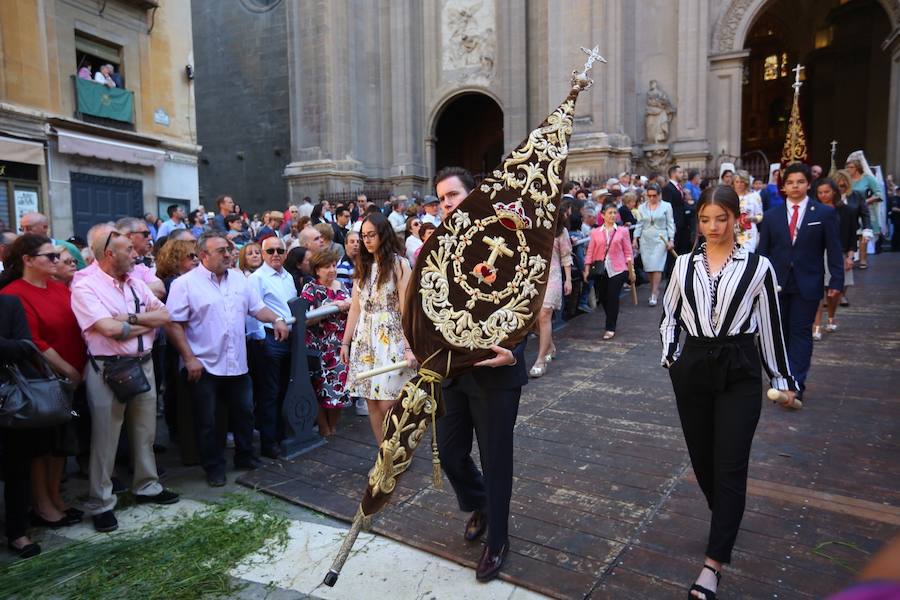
(362, 409)
(652, 301)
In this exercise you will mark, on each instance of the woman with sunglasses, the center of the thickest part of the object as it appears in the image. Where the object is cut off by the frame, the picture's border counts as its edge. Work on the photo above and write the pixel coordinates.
(413, 238)
(373, 325)
(65, 266)
(30, 268)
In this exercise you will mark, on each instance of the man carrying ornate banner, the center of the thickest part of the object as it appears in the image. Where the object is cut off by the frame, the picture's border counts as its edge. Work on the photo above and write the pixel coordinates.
(474, 293)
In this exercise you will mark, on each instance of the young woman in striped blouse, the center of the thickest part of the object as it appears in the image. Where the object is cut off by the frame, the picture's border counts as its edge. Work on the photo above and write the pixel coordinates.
(722, 296)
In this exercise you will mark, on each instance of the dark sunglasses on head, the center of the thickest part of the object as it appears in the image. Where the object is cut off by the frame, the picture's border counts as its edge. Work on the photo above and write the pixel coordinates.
(271, 251)
(51, 256)
(111, 235)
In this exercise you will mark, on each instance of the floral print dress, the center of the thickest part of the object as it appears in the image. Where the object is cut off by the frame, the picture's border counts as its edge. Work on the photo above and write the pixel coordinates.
(325, 337)
(378, 341)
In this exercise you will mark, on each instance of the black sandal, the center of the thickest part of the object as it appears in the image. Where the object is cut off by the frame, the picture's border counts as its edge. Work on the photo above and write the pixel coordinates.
(707, 594)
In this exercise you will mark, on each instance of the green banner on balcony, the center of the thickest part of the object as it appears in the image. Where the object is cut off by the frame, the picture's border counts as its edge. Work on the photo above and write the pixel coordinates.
(98, 100)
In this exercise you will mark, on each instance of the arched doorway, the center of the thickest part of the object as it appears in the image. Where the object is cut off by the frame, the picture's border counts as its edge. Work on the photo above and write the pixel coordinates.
(469, 134)
(847, 77)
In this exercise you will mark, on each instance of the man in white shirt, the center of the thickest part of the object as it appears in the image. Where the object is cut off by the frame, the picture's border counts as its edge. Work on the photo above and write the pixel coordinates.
(432, 208)
(208, 306)
(397, 218)
(275, 287)
(104, 76)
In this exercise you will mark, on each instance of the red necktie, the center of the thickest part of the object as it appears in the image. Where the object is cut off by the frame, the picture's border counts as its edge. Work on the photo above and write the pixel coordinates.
(793, 226)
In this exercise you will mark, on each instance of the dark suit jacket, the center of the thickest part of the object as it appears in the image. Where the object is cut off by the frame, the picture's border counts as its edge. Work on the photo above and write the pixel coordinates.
(498, 378)
(672, 195)
(859, 211)
(340, 234)
(799, 266)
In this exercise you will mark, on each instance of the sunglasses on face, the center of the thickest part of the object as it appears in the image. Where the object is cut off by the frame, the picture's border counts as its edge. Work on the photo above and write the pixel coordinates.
(193, 256)
(271, 251)
(144, 233)
(51, 256)
(69, 262)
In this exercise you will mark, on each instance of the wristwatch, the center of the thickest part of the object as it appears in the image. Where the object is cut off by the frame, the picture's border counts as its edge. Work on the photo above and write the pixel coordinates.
(132, 319)
(280, 319)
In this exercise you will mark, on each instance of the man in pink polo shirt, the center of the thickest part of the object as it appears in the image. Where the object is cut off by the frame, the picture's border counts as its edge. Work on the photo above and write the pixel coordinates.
(209, 305)
(118, 315)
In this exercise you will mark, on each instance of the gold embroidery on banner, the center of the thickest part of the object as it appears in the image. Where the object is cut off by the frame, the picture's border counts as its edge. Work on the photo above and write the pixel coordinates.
(459, 327)
(523, 169)
(393, 458)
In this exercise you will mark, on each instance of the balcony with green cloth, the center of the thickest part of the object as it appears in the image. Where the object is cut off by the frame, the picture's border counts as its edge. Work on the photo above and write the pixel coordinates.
(98, 100)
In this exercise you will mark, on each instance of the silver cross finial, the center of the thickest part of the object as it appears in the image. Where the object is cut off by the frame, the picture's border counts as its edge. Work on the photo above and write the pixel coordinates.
(797, 82)
(833, 147)
(593, 56)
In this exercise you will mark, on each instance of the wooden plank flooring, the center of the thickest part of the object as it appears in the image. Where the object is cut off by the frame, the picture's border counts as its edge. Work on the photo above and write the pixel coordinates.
(604, 500)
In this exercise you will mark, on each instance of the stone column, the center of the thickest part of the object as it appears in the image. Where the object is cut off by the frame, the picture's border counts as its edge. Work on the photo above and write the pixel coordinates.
(319, 66)
(724, 111)
(690, 146)
(893, 131)
(408, 170)
(512, 52)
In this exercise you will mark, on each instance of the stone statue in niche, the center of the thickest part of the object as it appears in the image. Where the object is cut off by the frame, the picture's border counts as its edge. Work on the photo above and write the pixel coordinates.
(658, 116)
(468, 36)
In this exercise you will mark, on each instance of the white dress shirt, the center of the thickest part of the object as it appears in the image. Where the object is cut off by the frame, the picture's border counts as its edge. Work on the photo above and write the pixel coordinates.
(213, 313)
(789, 207)
(275, 289)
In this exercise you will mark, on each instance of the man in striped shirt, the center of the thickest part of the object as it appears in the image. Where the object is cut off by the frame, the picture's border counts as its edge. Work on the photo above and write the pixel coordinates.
(345, 266)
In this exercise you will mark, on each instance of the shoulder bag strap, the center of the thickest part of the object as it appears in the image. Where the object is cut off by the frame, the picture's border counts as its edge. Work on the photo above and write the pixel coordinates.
(137, 309)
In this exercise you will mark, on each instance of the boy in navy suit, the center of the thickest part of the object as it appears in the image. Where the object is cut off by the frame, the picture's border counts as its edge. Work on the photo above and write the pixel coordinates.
(795, 237)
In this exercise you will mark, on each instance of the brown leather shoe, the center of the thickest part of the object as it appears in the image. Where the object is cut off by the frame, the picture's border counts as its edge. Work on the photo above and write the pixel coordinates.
(490, 563)
(475, 526)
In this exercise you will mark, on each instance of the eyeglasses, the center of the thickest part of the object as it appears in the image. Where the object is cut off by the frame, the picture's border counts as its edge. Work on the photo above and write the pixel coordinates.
(370, 236)
(69, 262)
(271, 251)
(51, 256)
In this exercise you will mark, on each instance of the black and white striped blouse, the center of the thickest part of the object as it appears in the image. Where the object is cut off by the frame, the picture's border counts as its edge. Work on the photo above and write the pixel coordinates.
(746, 302)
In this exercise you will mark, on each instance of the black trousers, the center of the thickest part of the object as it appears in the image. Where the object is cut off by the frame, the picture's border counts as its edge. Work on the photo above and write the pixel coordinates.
(207, 393)
(718, 389)
(492, 415)
(608, 290)
(16, 455)
(271, 383)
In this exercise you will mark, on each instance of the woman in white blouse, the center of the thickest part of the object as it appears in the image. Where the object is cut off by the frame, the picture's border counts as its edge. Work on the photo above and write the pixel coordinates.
(751, 211)
(724, 298)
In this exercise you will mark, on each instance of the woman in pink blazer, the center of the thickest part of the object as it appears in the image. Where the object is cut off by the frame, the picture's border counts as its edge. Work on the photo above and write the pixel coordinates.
(610, 246)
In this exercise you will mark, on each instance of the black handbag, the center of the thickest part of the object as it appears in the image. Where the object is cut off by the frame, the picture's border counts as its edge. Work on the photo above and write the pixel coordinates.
(33, 401)
(598, 267)
(125, 375)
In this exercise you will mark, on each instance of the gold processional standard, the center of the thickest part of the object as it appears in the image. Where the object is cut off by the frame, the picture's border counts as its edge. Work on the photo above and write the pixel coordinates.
(479, 281)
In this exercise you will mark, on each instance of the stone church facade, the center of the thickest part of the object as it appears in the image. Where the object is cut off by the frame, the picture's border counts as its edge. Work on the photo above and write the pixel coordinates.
(369, 82)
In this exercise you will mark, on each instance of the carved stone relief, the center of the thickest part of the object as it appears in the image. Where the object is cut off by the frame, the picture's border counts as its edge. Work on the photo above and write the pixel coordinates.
(468, 38)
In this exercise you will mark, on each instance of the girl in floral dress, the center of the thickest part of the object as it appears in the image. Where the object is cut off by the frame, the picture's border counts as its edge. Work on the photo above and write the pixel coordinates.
(374, 335)
(324, 337)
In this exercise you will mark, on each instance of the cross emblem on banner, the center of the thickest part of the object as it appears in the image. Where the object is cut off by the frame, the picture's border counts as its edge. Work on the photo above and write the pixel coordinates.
(797, 70)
